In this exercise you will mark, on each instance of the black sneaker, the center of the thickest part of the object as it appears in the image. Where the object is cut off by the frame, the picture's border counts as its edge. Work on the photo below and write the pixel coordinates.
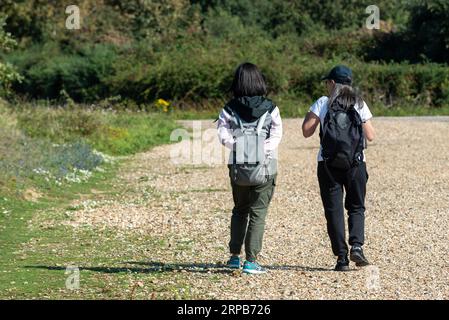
(358, 257)
(342, 264)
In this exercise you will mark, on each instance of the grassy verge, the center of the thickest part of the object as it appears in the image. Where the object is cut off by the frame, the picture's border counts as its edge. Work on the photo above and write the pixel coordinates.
(114, 133)
(41, 149)
(37, 248)
(44, 147)
(25, 246)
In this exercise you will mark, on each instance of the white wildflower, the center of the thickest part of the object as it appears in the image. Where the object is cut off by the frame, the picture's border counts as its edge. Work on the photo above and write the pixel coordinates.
(106, 158)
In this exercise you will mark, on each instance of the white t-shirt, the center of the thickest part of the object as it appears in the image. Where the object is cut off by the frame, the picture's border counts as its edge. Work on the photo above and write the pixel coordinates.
(319, 108)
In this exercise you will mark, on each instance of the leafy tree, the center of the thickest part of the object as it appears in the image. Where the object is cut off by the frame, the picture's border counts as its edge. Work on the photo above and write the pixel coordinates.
(424, 37)
(8, 74)
(429, 29)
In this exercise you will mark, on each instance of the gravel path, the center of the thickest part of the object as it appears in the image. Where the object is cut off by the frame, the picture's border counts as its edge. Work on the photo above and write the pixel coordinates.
(407, 225)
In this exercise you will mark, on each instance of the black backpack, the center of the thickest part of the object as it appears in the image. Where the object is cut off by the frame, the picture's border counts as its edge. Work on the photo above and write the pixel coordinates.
(342, 138)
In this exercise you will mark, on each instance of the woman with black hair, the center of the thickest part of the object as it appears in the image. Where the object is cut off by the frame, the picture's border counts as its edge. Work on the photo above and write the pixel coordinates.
(252, 183)
(345, 122)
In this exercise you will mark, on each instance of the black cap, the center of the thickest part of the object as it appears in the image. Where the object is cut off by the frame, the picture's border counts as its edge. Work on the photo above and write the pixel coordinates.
(340, 74)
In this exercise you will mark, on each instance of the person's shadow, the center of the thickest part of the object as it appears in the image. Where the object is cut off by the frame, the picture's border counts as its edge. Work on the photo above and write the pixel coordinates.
(155, 266)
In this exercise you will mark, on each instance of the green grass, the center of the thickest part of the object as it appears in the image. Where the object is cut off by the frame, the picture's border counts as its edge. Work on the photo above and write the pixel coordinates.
(35, 254)
(115, 133)
(24, 246)
(130, 133)
(35, 245)
(56, 141)
(405, 111)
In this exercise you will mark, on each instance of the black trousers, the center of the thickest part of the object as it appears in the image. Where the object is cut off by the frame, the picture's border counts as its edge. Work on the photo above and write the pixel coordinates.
(332, 183)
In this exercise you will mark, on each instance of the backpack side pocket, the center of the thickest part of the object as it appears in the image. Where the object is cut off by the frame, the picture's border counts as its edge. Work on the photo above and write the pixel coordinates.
(249, 174)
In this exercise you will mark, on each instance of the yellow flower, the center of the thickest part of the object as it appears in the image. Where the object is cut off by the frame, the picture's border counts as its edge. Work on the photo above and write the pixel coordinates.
(162, 102)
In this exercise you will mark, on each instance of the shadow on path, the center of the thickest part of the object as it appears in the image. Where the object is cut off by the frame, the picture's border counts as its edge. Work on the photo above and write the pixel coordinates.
(154, 266)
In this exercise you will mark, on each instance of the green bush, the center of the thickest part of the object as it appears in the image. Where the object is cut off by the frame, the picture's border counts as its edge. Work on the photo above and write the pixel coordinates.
(425, 36)
(400, 84)
(391, 85)
(300, 16)
(138, 75)
(48, 71)
(429, 29)
(116, 133)
(8, 73)
(128, 55)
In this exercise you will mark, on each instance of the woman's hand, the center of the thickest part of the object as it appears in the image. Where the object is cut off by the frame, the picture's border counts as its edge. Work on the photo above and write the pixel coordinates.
(368, 129)
(310, 124)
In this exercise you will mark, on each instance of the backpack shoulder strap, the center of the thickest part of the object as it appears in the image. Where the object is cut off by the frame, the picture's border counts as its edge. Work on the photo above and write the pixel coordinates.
(239, 121)
(261, 122)
(228, 110)
(327, 118)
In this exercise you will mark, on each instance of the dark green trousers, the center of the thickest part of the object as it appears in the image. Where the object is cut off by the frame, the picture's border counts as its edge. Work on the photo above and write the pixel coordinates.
(248, 217)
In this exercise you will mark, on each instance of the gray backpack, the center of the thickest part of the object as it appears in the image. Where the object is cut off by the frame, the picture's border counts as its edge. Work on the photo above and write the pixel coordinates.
(248, 164)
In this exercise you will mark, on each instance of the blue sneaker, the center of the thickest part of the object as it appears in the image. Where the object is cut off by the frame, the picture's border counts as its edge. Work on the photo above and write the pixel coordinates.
(253, 268)
(234, 262)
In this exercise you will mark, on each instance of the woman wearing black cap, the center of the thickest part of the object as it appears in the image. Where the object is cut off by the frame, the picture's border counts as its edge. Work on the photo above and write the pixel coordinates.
(345, 123)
